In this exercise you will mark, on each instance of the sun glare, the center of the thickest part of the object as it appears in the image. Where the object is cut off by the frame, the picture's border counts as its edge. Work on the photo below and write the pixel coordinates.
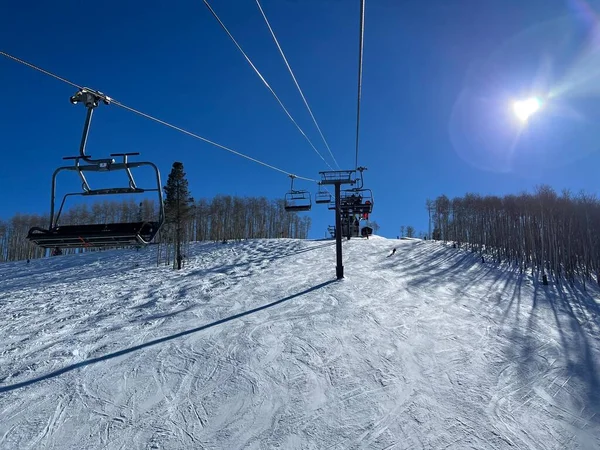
(524, 109)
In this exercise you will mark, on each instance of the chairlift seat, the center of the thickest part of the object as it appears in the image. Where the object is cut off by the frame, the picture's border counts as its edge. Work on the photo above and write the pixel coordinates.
(297, 208)
(95, 235)
(297, 201)
(357, 201)
(363, 208)
(322, 197)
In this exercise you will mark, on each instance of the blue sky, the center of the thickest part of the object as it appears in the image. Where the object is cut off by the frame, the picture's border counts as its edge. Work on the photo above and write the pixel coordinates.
(439, 78)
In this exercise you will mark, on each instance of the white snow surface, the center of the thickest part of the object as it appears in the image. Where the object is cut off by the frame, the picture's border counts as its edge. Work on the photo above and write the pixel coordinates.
(254, 345)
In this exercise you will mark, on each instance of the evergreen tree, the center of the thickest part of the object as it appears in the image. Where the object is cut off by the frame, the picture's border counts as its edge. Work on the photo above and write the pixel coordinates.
(178, 206)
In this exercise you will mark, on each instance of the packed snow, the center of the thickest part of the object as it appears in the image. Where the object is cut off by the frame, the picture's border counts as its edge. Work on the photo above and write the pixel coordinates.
(254, 345)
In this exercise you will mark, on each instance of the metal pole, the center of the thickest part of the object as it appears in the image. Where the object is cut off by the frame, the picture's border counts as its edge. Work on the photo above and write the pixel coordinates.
(53, 223)
(86, 129)
(339, 270)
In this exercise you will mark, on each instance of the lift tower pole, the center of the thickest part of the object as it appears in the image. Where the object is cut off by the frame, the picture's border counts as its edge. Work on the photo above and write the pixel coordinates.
(339, 268)
(337, 178)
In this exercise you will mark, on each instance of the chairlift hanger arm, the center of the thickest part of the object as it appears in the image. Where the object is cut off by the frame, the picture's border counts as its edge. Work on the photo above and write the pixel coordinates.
(91, 99)
(362, 181)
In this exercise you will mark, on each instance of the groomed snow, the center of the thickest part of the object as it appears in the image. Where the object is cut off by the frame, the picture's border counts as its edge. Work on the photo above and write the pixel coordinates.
(255, 346)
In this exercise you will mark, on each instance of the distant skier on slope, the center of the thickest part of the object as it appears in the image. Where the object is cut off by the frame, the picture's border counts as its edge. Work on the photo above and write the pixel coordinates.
(393, 252)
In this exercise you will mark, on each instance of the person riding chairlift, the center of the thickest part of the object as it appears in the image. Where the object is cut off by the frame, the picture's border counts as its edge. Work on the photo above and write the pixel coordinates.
(366, 214)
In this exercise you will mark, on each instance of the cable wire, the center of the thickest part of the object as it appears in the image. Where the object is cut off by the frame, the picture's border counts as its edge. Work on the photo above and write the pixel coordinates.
(14, 58)
(147, 116)
(296, 82)
(208, 141)
(264, 81)
(360, 65)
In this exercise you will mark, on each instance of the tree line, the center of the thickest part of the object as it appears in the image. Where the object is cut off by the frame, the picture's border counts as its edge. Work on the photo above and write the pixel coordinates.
(552, 235)
(221, 218)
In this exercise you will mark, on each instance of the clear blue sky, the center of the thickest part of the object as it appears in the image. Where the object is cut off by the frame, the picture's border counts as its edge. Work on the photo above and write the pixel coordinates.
(439, 77)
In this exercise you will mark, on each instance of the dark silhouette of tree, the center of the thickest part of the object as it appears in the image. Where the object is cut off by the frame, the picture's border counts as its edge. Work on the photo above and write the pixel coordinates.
(178, 207)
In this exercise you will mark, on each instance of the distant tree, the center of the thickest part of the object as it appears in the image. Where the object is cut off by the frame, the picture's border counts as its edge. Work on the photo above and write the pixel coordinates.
(410, 231)
(178, 207)
(430, 206)
(555, 236)
(402, 230)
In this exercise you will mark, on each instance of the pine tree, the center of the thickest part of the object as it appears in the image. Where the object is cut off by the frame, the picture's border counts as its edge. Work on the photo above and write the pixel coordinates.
(178, 206)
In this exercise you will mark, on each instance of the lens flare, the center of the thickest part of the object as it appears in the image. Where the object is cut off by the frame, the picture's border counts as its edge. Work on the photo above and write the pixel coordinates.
(533, 104)
(524, 109)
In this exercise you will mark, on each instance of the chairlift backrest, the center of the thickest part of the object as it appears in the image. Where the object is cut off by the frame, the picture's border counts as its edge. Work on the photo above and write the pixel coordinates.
(322, 197)
(297, 201)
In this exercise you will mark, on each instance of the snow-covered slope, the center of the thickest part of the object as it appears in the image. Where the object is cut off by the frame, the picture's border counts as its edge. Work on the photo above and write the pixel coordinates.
(253, 345)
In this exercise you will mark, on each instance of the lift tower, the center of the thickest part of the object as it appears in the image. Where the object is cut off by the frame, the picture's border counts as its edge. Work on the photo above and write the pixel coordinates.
(337, 178)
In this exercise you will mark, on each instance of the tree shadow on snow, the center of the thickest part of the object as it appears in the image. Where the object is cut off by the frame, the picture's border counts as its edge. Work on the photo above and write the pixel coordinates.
(154, 342)
(525, 310)
(576, 314)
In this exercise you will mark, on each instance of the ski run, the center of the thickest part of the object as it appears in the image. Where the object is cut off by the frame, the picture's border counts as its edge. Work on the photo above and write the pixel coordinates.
(254, 345)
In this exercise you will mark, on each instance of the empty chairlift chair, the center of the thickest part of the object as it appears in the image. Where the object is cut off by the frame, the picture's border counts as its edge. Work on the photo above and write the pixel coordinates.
(297, 201)
(105, 234)
(322, 196)
(99, 235)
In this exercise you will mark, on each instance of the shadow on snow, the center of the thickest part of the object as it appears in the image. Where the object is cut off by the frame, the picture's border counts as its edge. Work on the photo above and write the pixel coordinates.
(126, 351)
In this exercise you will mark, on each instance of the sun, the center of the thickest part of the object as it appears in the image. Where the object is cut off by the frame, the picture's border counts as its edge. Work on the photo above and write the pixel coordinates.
(524, 109)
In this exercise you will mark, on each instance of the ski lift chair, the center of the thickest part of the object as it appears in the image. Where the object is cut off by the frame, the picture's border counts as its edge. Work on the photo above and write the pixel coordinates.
(322, 196)
(98, 235)
(357, 201)
(297, 201)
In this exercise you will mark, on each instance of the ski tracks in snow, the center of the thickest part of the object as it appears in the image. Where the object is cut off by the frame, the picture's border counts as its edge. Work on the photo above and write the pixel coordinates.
(425, 349)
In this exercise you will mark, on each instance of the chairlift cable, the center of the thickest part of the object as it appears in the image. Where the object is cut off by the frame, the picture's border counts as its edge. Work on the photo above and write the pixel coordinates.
(39, 69)
(360, 65)
(208, 141)
(265, 82)
(296, 82)
(128, 108)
